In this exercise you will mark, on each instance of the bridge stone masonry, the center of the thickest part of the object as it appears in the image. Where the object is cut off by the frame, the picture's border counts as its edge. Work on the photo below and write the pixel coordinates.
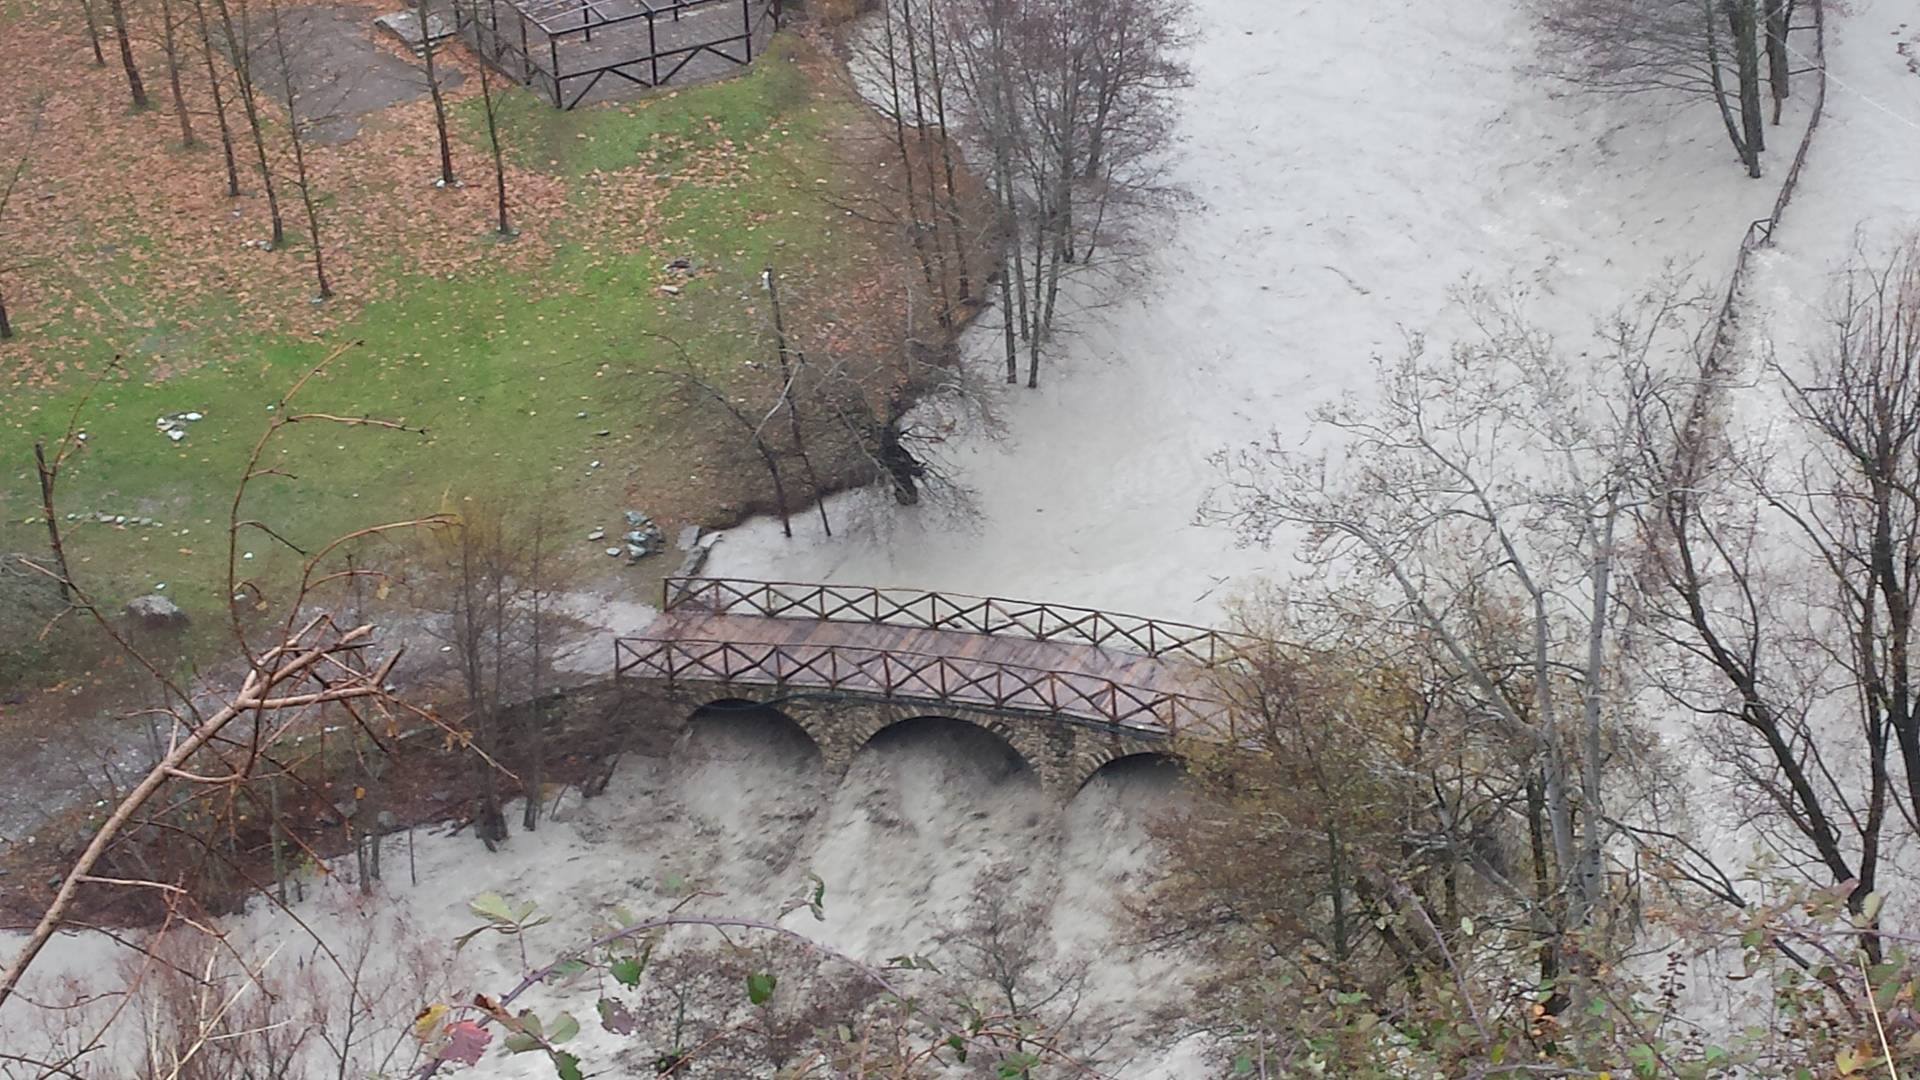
(1070, 690)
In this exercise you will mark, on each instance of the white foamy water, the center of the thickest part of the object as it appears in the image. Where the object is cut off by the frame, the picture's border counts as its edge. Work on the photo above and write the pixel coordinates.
(931, 818)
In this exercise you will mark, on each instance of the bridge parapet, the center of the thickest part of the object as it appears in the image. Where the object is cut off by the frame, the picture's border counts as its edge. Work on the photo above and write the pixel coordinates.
(925, 610)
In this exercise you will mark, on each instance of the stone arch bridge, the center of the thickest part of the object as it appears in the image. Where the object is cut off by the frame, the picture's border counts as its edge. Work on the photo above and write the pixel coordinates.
(1069, 689)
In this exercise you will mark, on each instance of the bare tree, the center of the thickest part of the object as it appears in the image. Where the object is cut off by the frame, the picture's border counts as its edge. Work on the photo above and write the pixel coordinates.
(293, 679)
(93, 32)
(921, 225)
(1071, 102)
(490, 109)
(479, 633)
(206, 773)
(792, 363)
(296, 135)
(1783, 576)
(1037, 997)
(1496, 478)
(749, 418)
(1860, 402)
(117, 9)
(1367, 820)
(238, 39)
(6, 201)
(489, 579)
(1687, 47)
(539, 584)
(1744, 26)
(1779, 64)
(169, 45)
(219, 101)
(427, 48)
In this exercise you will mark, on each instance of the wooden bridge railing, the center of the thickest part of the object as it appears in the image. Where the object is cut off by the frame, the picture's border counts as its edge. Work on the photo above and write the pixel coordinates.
(925, 610)
(898, 675)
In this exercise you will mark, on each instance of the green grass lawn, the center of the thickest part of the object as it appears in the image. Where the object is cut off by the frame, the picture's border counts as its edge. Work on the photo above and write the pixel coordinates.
(773, 96)
(496, 366)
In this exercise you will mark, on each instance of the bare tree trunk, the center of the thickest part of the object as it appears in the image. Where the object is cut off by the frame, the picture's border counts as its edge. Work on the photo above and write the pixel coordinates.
(788, 372)
(1061, 251)
(1013, 282)
(493, 143)
(219, 104)
(1720, 97)
(1590, 878)
(914, 231)
(301, 179)
(954, 217)
(241, 45)
(779, 486)
(169, 43)
(1107, 89)
(46, 499)
(1007, 313)
(433, 90)
(1549, 954)
(1033, 309)
(6, 324)
(118, 10)
(926, 158)
(1779, 66)
(93, 33)
(1743, 22)
(537, 736)
(274, 841)
(1016, 244)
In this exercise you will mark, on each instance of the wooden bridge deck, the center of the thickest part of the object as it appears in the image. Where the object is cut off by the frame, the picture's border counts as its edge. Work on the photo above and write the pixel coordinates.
(899, 652)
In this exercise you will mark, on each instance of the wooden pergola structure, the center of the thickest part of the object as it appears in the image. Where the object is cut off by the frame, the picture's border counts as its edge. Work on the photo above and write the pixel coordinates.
(565, 49)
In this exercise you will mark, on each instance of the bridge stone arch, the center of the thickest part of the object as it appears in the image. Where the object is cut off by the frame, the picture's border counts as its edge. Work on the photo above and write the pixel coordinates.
(727, 709)
(1063, 752)
(1105, 757)
(994, 729)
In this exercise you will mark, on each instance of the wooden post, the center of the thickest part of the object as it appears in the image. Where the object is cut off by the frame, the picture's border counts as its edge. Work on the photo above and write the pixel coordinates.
(526, 50)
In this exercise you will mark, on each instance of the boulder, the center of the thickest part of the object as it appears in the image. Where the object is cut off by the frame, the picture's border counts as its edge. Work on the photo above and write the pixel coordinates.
(156, 612)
